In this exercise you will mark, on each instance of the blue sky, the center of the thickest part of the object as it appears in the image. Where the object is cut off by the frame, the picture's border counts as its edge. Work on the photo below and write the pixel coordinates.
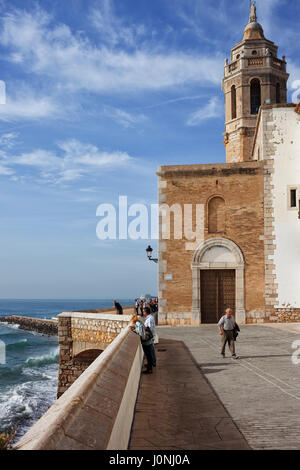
(99, 94)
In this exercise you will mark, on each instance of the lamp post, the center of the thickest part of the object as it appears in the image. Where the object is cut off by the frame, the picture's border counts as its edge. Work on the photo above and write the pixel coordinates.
(149, 252)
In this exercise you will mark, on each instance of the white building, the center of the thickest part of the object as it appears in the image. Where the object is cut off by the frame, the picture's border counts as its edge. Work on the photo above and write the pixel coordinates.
(277, 142)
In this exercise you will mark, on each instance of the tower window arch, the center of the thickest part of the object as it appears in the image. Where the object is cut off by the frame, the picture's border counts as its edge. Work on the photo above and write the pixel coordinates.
(278, 93)
(255, 95)
(216, 215)
(233, 102)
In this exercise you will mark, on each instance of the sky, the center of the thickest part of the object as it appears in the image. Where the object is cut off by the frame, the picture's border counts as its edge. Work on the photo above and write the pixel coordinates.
(99, 93)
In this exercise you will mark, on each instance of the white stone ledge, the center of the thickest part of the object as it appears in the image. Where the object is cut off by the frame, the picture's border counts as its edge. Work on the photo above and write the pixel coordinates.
(96, 412)
(96, 316)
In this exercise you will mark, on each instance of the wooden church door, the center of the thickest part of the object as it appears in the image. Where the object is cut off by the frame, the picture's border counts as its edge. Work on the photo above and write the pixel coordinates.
(217, 294)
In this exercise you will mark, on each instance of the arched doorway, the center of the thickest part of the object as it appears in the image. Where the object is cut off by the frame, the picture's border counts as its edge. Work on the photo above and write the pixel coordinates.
(218, 281)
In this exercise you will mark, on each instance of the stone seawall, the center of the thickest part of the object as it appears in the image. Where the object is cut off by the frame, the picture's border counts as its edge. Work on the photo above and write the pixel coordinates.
(46, 327)
(96, 412)
(82, 337)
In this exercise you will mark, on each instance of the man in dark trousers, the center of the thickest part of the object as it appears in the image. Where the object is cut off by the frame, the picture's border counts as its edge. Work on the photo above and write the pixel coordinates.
(118, 307)
(150, 323)
(226, 327)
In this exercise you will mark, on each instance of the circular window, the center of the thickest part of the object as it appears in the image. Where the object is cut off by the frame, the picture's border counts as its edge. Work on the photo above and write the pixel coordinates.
(254, 52)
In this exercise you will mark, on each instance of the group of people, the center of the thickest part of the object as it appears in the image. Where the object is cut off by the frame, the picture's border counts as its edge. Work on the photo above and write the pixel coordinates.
(140, 304)
(145, 328)
(144, 320)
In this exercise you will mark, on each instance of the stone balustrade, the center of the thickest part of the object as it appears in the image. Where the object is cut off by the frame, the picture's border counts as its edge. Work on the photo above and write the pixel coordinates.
(97, 410)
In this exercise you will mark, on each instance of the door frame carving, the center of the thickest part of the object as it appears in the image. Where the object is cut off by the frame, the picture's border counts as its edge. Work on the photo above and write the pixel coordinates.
(238, 265)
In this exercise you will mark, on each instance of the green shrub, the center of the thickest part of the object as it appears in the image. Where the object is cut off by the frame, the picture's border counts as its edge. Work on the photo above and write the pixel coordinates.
(7, 439)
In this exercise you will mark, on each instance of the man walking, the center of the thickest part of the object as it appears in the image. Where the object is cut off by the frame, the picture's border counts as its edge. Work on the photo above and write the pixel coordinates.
(226, 326)
(150, 323)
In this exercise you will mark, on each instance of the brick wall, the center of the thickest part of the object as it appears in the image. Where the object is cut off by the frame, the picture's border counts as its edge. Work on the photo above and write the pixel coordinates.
(241, 185)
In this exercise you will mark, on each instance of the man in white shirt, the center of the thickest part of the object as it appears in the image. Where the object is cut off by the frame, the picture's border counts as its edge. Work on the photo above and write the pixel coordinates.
(150, 323)
(226, 326)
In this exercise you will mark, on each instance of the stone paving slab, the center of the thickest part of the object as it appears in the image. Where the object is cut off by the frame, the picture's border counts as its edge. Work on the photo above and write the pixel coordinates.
(177, 408)
(260, 391)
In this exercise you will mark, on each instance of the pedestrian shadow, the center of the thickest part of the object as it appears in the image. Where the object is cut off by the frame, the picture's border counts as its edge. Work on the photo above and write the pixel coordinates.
(210, 371)
(228, 360)
(266, 356)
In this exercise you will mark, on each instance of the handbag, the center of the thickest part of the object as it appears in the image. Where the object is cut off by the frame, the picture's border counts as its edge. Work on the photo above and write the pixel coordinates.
(147, 335)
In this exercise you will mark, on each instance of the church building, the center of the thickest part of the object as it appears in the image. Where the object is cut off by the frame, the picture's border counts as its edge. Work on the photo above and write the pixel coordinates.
(249, 255)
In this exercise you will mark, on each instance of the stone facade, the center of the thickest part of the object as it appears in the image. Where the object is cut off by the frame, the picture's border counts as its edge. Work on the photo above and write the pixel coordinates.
(241, 186)
(285, 315)
(247, 253)
(82, 337)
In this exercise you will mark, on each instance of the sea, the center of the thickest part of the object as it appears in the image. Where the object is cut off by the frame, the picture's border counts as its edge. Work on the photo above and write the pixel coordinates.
(28, 378)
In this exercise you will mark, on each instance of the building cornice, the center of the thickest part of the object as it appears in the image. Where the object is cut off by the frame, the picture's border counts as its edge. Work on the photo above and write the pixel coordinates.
(219, 170)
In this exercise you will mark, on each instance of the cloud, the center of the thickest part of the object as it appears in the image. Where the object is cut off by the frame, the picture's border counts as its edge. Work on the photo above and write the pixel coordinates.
(72, 160)
(8, 140)
(26, 104)
(294, 70)
(111, 28)
(124, 118)
(265, 13)
(4, 171)
(72, 60)
(211, 110)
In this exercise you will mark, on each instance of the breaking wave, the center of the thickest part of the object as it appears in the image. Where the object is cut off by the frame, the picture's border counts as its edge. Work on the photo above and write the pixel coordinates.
(51, 358)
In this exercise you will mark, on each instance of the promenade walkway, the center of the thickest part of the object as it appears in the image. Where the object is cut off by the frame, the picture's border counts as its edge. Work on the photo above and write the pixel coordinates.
(197, 400)
(177, 409)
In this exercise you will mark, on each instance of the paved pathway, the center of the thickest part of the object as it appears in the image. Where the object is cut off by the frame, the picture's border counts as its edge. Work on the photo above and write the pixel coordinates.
(260, 391)
(177, 409)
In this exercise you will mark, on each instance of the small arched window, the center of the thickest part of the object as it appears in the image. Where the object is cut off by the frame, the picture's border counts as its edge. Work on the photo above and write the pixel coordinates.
(216, 215)
(254, 52)
(233, 102)
(255, 96)
(278, 93)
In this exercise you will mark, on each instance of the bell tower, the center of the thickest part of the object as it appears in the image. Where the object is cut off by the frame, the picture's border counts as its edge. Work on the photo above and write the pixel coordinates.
(253, 76)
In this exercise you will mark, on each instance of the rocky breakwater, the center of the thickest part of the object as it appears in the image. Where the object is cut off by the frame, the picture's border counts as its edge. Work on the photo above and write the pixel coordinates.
(46, 327)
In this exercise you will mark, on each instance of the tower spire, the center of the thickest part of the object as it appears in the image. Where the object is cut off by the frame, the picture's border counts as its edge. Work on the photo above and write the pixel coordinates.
(253, 15)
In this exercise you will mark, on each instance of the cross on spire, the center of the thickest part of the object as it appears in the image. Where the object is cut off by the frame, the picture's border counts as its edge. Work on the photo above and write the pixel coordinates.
(253, 15)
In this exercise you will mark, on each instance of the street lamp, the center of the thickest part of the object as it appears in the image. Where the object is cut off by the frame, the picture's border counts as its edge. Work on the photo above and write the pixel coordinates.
(149, 252)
